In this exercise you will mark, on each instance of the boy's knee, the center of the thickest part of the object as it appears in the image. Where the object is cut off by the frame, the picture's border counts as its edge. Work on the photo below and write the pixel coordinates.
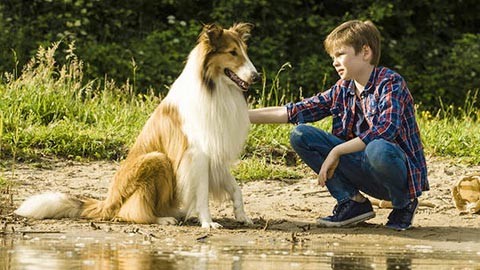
(375, 147)
(302, 133)
(296, 135)
(381, 153)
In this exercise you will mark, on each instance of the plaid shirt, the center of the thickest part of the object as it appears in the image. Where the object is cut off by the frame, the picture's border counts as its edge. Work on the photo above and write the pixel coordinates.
(388, 109)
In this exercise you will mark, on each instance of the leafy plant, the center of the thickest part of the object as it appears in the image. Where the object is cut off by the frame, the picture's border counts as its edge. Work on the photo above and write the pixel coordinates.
(433, 44)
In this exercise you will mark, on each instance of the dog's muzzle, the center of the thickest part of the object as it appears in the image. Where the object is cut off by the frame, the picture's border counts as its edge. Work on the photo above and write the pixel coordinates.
(241, 83)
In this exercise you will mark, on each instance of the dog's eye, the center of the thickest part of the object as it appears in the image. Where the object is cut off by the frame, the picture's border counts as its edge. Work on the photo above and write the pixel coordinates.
(234, 53)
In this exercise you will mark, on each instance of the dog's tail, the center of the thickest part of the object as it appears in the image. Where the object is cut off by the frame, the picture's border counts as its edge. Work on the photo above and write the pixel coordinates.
(50, 205)
(57, 205)
(95, 209)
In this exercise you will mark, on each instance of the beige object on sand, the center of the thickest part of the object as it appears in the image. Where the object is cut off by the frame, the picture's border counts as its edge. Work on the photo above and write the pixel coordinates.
(388, 204)
(466, 194)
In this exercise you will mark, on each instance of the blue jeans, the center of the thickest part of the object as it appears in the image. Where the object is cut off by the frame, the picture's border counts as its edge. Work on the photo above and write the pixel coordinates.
(379, 171)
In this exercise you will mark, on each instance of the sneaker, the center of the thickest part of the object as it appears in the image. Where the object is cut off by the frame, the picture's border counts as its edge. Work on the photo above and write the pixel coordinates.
(348, 213)
(402, 219)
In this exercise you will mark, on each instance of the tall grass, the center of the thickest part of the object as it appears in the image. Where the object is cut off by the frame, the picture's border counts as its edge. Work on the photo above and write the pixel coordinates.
(50, 110)
(453, 132)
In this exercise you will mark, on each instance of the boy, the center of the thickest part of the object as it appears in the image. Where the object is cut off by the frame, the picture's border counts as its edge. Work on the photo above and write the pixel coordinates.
(375, 144)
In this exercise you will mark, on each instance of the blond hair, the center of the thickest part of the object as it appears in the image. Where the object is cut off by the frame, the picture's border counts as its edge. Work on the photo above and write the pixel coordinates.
(357, 34)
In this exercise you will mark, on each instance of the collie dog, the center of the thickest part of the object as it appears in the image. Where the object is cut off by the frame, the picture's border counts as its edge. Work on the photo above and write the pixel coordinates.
(185, 150)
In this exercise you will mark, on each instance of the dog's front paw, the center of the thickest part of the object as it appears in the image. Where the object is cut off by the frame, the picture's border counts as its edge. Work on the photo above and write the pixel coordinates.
(245, 220)
(117, 219)
(213, 225)
(166, 221)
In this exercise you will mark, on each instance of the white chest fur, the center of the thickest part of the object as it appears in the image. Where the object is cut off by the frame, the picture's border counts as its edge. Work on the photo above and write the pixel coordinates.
(216, 122)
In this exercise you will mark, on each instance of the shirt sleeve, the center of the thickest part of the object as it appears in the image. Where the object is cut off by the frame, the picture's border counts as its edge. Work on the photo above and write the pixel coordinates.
(390, 110)
(311, 109)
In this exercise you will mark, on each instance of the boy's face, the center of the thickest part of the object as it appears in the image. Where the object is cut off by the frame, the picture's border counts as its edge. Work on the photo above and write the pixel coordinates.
(350, 65)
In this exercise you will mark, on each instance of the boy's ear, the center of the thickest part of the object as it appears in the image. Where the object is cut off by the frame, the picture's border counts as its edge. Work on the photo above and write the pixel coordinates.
(367, 53)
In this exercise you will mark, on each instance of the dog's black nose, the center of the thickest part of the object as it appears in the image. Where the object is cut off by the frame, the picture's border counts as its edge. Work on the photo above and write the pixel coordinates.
(255, 77)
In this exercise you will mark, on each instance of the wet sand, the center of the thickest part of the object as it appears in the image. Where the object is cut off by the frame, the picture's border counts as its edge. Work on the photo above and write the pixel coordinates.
(282, 211)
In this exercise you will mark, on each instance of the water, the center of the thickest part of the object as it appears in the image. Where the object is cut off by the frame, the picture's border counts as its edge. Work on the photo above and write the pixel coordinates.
(129, 251)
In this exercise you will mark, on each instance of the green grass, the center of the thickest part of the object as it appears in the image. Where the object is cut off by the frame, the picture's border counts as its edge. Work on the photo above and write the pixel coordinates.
(453, 132)
(50, 110)
(3, 182)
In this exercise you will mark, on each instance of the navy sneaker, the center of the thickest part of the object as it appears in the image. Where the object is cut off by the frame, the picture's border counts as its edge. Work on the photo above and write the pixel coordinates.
(348, 213)
(402, 219)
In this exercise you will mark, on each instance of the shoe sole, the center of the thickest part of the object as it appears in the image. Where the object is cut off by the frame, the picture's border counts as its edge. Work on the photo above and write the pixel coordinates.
(346, 223)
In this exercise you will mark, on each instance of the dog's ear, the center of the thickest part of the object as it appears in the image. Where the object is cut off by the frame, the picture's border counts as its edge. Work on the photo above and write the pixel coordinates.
(243, 29)
(211, 35)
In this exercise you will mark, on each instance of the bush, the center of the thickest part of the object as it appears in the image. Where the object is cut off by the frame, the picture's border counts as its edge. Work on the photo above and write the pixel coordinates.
(431, 43)
(457, 72)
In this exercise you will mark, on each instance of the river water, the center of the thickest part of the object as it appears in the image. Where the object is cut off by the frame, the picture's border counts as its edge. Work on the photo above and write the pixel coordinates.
(131, 251)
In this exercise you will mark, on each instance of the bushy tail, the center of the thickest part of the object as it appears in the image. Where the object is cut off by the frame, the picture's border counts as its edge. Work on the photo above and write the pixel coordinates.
(95, 209)
(50, 205)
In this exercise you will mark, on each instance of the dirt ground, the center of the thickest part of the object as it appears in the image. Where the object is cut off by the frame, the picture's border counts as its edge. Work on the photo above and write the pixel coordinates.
(280, 209)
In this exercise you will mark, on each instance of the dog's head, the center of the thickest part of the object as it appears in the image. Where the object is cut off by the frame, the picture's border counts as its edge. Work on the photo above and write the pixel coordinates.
(225, 52)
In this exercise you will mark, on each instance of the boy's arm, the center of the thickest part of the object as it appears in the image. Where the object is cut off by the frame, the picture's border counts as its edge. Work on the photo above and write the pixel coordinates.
(350, 146)
(269, 115)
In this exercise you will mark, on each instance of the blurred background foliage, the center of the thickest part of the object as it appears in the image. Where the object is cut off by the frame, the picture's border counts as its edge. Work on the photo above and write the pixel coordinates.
(434, 44)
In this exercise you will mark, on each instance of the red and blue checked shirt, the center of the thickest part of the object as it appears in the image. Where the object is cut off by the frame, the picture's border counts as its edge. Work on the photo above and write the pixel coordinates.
(388, 109)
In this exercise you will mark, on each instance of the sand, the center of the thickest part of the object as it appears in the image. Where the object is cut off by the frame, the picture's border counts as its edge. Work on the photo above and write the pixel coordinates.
(284, 210)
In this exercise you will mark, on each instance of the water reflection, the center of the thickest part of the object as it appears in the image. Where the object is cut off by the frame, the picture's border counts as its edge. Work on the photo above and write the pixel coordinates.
(55, 255)
(60, 252)
(371, 262)
(399, 263)
(342, 262)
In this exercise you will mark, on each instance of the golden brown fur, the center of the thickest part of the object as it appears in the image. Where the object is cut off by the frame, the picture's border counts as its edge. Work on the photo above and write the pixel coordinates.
(144, 186)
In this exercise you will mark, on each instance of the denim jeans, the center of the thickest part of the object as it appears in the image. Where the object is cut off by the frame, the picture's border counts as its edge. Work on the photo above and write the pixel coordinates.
(379, 171)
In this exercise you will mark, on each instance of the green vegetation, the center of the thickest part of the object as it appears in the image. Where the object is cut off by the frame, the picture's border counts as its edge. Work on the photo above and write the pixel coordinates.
(50, 111)
(434, 44)
(453, 132)
(3, 181)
